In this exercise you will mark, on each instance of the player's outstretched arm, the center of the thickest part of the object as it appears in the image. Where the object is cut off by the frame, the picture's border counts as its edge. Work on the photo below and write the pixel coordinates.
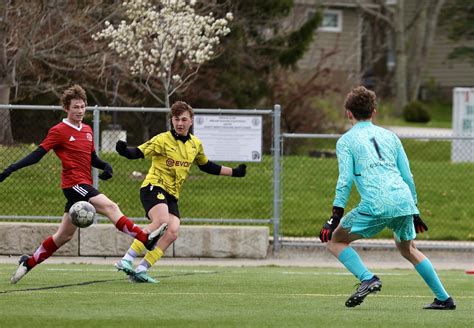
(33, 158)
(325, 234)
(216, 169)
(128, 152)
(100, 164)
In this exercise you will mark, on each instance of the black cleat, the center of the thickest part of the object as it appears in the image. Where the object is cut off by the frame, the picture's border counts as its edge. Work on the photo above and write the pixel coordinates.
(441, 305)
(365, 288)
(154, 236)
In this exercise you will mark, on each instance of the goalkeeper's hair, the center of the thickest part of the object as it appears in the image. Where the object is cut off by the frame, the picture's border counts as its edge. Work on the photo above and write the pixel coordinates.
(73, 92)
(361, 102)
(181, 107)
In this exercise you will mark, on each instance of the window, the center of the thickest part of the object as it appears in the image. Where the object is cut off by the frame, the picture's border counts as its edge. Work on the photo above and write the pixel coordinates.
(332, 21)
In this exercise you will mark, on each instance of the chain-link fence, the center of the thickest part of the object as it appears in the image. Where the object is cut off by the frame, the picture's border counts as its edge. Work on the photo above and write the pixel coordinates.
(443, 170)
(34, 193)
(306, 170)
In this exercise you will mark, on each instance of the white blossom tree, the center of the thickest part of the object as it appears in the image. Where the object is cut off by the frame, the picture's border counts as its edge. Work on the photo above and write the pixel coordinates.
(165, 43)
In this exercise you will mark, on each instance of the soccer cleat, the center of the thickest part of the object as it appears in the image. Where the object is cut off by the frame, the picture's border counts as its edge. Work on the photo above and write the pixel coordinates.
(365, 288)
(21, 270)
(125, 266)
(154, 236)
(441, 305)
(142, 277)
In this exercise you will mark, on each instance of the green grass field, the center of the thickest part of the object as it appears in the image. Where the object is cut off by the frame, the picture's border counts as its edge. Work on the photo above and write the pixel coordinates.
(79, 295)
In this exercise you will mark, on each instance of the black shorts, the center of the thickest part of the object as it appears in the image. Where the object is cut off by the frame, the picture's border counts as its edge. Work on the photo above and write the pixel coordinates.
(153, 195)
(77, 193)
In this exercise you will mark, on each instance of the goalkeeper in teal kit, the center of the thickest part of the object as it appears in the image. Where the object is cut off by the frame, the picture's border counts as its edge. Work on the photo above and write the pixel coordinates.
(373, 158)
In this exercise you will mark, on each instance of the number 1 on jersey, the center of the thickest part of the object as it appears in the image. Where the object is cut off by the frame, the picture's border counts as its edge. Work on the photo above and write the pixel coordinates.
(377, 149)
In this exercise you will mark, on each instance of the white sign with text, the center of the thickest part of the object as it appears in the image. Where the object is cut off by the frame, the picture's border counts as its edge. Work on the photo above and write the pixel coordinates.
(463, 124)
(230, 138)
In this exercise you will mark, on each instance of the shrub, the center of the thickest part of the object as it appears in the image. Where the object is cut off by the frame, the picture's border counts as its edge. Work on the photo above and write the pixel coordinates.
(416, 112)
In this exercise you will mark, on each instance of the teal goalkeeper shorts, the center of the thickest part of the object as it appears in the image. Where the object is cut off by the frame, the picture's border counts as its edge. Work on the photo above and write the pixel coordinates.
(368, 226)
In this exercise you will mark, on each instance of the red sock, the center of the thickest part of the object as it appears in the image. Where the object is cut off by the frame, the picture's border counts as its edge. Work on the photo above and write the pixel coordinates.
(126, 226)
(47, 248)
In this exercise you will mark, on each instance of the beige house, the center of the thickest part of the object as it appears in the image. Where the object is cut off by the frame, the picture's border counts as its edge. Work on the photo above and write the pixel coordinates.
(344, 29)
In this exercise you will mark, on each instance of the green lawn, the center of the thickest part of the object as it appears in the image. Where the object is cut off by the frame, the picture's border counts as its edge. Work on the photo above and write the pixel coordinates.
(78, 295)
(441, 116)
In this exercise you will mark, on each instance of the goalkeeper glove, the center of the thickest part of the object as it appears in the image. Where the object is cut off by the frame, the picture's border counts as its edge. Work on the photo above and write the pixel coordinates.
(325, 234)
(420, 226)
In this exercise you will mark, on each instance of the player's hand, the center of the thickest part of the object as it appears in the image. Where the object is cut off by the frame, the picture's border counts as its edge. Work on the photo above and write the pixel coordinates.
(239, 171)
(5, 174)
(107, 173)
(121, 147)
(325, 234)
(420, 226)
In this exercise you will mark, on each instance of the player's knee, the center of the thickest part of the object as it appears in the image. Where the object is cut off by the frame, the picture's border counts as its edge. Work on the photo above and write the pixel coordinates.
(172, 233)
(407, 252)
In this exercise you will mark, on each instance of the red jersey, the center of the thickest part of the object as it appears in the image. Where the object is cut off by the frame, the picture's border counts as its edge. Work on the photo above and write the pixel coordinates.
(74, 146)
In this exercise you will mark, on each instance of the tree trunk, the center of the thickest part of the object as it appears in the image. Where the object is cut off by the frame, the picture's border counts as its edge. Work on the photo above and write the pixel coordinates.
(6, 137)
(401, 59)
(422, 41)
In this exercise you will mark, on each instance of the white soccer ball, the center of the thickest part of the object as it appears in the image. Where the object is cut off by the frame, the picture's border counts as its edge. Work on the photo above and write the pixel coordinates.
(82, 214)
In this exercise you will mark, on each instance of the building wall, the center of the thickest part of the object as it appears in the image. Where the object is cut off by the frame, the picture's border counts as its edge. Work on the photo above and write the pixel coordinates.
(441, 72)
(345, 64)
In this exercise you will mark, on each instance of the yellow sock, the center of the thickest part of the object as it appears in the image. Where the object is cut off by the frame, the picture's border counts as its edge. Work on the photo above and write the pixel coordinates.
(138, 247)
(153, 256)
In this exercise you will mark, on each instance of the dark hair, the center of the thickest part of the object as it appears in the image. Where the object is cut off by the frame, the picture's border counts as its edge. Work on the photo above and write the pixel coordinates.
(361, 102)
(73, 92)
(181, 107)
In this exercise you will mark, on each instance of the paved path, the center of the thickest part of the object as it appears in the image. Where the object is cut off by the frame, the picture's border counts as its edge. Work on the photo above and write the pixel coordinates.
(372, 252)
(416, 131)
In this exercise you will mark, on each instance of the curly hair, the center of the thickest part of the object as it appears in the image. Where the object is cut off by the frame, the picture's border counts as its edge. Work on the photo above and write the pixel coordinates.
(181, 107)
(73, 92)
(361, 102)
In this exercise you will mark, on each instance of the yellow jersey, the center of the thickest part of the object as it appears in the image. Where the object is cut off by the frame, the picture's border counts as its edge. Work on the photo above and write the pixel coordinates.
(171, 160)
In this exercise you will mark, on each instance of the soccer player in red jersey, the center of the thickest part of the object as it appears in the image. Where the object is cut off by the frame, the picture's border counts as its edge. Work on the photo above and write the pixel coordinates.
(73, 143)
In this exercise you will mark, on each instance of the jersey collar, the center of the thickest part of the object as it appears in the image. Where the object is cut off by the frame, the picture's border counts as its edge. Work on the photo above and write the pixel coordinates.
(65, 121)
(180, 137)
(362, 124)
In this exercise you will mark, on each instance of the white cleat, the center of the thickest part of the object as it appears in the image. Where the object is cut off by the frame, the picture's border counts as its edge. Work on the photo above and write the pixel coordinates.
(21, 270)
(154, 236)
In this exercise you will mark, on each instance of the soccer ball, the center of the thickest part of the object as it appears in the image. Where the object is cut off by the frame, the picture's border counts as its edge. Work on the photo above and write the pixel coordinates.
(82, 214)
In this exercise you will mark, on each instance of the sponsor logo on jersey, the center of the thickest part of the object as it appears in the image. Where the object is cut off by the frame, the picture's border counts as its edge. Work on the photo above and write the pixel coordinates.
(160, 196)
(72, 139)
(171, 162)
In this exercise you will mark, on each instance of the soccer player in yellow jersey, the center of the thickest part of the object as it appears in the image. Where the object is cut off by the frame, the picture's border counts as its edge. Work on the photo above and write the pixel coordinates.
(172, 154)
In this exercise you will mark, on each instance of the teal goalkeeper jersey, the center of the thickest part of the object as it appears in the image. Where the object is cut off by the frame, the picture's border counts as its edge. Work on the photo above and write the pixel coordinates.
(375, 160)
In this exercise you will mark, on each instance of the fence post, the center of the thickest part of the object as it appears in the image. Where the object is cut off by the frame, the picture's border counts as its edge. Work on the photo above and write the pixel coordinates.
(96, 130)
(276, 177)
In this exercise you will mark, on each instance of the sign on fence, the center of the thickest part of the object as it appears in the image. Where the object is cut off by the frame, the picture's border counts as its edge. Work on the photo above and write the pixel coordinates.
(230, 138)
(463, 124)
